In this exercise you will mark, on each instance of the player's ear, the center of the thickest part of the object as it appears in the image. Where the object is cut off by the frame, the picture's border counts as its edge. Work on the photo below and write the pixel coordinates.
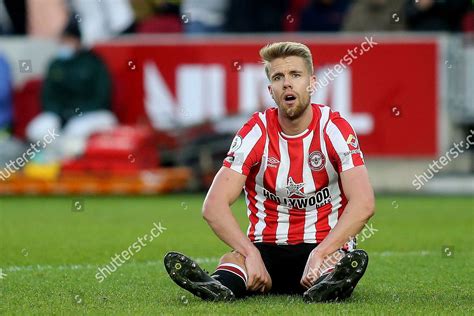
(270, 90)
(312, 84)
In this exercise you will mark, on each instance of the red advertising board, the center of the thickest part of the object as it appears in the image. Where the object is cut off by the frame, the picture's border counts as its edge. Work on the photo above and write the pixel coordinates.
(387, 89)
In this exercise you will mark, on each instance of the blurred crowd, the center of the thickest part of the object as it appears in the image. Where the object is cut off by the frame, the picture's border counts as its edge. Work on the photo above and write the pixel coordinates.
(76, 91)
(103, 19)
(78, 24)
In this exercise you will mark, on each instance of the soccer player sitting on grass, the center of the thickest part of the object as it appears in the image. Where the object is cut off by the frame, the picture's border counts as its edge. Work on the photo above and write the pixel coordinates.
(307, 192)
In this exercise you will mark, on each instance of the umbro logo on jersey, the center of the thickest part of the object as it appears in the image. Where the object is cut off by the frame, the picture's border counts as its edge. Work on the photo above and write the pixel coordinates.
(272, 162)
(352, 140)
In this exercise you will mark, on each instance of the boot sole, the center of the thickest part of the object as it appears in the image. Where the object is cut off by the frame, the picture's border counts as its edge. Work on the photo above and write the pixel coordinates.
(184, 271)
(342, 281)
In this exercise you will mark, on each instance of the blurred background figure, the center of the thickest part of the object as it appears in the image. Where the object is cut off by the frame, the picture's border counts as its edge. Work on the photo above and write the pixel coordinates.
(10, 146)
(17, 15)
(37, 18)
(204, 16)
(436, 15)
(46, 18)
(158, 16)
(103, 20)
(5, 22)
(98, 20)
(75, 97)
(256, 16)
(323, 15)
(5, 96)
(375, 15)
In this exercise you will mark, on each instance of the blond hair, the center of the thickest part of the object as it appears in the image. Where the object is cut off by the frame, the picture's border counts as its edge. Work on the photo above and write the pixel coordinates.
(285, 49)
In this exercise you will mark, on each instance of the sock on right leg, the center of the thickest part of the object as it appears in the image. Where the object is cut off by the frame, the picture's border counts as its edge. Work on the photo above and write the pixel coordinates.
(233, 277)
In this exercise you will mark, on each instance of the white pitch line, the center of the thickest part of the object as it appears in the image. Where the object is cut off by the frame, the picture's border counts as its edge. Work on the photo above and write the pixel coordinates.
(39, 267)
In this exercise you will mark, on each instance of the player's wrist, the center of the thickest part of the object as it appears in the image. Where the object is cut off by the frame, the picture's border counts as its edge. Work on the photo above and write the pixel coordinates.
(249, 250)
(321, 251)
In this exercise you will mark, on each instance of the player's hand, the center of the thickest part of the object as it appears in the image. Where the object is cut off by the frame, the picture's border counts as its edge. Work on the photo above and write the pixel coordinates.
(316, 265)
(258, 277)
(311, 270)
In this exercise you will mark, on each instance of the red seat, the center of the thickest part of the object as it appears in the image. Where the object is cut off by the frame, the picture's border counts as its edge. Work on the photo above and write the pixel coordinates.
(468, 22)
(160, 24)
(125, 148)
(26, 105)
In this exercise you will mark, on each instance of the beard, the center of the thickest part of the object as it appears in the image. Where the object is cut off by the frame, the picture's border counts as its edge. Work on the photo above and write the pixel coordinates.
(294, 111)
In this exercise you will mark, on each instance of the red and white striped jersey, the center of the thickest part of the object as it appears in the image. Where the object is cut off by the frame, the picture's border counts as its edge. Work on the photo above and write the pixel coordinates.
(293, 189)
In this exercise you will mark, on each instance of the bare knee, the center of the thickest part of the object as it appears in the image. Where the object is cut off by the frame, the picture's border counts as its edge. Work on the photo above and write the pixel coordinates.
(233, 257)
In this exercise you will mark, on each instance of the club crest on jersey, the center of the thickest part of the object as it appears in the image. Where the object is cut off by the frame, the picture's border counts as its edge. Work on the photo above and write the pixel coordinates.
(316, 160)
(352, 140)
(236, 143)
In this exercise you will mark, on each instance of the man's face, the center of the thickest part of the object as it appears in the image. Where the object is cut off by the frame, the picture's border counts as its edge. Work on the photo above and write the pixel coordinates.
(289, 86)
(70, 41)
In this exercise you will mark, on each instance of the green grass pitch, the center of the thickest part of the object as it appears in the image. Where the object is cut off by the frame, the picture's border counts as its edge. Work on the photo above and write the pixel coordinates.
(421, 258)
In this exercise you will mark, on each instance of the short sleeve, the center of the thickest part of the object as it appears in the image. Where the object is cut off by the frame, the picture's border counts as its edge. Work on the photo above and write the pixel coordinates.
(243, 153)
(343, 144)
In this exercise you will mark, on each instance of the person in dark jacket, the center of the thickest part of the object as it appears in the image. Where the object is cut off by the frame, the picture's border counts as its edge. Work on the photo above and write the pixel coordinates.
(324, 15)
(252, 16)
(436, 15)
(375, 16)
(75, 95)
